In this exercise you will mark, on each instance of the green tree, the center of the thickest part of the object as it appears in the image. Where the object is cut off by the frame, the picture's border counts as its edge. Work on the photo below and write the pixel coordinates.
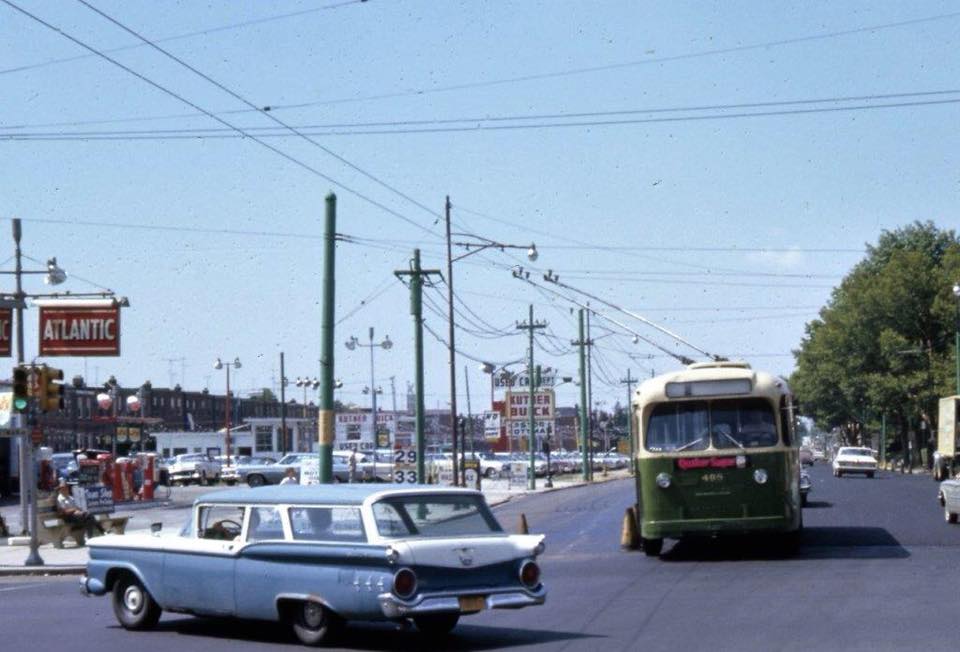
(883, 344)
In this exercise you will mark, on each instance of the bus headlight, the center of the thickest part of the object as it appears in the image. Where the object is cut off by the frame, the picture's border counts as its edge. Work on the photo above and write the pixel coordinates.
(663, 480)
(760, 476)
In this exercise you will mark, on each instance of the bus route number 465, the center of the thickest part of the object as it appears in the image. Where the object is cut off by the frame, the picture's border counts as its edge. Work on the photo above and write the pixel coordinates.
(405, 466)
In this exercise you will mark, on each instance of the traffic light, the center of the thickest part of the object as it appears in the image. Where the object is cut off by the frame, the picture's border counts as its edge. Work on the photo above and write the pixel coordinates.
(51, 389)
(21, 388)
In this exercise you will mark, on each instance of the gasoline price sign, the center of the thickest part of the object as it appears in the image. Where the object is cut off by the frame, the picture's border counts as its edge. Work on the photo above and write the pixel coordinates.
(405, 465)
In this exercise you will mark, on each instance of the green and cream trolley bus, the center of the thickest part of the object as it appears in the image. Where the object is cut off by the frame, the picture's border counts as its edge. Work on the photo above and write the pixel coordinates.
(716, 454)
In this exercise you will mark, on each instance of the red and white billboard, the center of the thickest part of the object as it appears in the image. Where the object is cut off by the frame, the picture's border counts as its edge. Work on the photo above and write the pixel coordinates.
(6, 329)
(79, 328)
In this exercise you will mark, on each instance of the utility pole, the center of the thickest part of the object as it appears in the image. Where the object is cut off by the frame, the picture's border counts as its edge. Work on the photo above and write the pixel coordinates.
(630, 382)
(417, 274)
(530, 326)
(590, 389)
(466, 384)
(325, 417)
(393, 393)
(283, 407)
(24, 459)
(582, 343)
(452, 349)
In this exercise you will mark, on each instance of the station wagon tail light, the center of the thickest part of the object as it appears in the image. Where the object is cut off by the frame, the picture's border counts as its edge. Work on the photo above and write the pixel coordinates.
(663, 480)
(405, 583)
(760, 476)
(530, 574)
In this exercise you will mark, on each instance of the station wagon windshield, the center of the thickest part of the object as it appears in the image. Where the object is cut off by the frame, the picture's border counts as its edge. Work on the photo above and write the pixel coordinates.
(723, 424)
(434, 516)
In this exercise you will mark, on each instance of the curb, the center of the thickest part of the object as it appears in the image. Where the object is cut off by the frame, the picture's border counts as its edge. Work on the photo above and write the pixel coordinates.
(32, 571)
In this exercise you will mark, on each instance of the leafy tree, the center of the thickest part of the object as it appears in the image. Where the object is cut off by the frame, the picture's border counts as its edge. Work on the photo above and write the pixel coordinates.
(883, 344)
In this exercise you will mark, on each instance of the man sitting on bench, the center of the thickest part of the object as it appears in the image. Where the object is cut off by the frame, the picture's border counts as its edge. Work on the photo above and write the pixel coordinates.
(67, 510)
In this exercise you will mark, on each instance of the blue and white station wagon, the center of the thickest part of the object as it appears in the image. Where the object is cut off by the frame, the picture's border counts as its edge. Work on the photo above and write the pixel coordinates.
(316, 556)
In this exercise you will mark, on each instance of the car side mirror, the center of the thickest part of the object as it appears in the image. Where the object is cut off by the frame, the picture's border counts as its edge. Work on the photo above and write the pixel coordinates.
(155, 528)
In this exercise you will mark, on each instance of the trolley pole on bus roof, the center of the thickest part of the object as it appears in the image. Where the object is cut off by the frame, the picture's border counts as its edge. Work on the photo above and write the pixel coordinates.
(530, 326)
(630, 382)
(582, 343)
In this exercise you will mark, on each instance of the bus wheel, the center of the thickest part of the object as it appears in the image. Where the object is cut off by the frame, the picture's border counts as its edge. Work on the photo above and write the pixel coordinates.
(652, 547)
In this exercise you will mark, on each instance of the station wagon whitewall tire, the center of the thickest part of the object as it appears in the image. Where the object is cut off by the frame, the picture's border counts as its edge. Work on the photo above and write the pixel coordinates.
(133, 605)
(312, 622)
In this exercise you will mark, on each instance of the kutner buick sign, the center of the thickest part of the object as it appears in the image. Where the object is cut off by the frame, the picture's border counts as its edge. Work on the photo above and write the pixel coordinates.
(80, 329)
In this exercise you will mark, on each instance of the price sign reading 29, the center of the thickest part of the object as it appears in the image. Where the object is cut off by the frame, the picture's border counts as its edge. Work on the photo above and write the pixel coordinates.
(405, 466)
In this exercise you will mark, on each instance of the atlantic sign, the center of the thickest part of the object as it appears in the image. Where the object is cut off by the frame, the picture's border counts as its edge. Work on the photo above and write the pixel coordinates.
(6, 326)
(78, 328)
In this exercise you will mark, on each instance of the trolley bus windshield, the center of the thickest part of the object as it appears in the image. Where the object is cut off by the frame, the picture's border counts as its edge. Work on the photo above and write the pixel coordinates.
(720, 424)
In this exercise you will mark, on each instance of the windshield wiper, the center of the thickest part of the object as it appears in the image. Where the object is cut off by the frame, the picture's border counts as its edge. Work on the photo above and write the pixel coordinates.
(735, 442)
(688, 445)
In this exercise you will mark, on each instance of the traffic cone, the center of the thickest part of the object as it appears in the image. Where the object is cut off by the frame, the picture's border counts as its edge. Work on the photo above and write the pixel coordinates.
(523, 524)
(629, 537)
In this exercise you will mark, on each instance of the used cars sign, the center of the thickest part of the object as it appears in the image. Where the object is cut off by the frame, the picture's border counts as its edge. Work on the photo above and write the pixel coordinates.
(78, 328)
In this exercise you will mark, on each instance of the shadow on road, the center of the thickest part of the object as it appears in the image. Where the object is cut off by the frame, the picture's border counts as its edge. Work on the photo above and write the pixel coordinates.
(815, 543)
(374, 636)
(817, 504)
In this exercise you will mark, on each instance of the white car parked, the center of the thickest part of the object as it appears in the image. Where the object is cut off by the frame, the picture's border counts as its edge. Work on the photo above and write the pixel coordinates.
(854, 459)
(194, 467)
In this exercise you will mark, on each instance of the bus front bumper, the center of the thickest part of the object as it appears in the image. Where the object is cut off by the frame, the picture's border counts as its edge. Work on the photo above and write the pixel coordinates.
(675, 529)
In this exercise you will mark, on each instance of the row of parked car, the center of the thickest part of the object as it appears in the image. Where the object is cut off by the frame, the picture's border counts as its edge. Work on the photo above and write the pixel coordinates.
(369, 466)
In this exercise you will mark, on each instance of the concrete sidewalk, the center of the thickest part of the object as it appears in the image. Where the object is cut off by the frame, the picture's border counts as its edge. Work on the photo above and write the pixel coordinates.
(173, 513)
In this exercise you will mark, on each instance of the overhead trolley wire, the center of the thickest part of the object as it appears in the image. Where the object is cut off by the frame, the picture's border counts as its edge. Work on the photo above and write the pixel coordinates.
(179, 37)
(263, 112)
(239, 130)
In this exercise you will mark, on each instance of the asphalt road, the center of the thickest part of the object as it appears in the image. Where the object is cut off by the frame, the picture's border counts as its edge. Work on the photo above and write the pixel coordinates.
(875, 572)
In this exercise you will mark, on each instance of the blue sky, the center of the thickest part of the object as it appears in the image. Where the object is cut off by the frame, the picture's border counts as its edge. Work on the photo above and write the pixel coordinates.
(728, 230)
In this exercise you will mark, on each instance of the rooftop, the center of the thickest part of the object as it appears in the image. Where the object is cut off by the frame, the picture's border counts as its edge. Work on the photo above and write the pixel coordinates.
(321, 494)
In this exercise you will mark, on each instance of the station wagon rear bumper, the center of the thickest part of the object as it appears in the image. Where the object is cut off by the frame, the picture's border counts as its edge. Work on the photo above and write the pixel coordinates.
(394, 607)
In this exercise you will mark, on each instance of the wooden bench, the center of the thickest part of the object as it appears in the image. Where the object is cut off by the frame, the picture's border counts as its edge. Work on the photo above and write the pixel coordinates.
(51, 528)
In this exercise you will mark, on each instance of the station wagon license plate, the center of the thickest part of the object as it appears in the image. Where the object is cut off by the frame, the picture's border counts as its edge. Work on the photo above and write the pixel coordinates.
(473, 602)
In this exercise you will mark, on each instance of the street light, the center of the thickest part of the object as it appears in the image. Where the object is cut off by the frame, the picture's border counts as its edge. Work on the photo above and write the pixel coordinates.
(386, 345)
(473, 246)
(306, 383)
(219, 364)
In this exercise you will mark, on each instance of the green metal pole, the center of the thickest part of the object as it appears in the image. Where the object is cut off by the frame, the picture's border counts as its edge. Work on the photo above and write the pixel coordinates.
(583, 403)
(416, 309)
(630, 421)
(531, 436)
(325, 416)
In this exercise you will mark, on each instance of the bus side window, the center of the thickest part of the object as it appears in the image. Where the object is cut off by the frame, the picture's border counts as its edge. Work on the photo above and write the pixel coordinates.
(785, 421)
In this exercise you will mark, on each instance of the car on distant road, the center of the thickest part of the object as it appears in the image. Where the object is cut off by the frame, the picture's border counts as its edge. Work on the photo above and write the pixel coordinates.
(314, 557)
(194, 467)
(854, 459)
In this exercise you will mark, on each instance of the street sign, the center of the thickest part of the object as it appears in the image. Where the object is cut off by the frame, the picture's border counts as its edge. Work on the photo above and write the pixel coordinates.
(491, 425)
(405, 466)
